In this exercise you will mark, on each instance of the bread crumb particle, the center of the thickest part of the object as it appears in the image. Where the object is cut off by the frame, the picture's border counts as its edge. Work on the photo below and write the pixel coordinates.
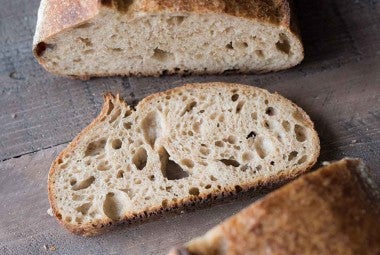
(325, 163)
(50, 212)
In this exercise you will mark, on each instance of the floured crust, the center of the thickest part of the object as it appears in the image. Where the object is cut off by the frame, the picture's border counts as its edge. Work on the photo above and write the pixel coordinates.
(55, 17)
(99, 226)
(334, 210)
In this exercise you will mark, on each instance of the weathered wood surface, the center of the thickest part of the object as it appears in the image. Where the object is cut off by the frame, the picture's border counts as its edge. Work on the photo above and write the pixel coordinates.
(338, 84)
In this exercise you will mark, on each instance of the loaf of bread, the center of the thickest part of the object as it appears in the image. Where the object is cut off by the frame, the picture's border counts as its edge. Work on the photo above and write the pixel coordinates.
(335, 210)
(180, 147)
(152, 37)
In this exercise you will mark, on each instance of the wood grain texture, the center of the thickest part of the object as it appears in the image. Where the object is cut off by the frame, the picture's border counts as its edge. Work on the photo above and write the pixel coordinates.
(338, 84)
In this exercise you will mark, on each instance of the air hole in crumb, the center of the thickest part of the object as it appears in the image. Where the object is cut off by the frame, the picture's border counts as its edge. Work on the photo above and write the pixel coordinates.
(244, 168)
(263, 147)
(259, 53)
(213, 178)
(229, 46)
(113, 206)
(247, 156)
(151, 177)
(297, 115)
(241, 45)
(120, 174)
(140, 158)
(176, 20)
(115, 115)
(251, 134)
(272, 163)
(231, 139)
(205, 151)
(84, 184)
(73, 181)
(302, 160)
(266, 101)
(234, 97)
(238, 188)
(196, 126)
(208, 186)
(254, 116)
(239, 106)
(230, 162)
(170, 169)
(161, 55)
(86, 41)
(95, 148)
(266, 124)
(286, 125)
(188, 108)
(300, 132)
(127, 113)
(104, 166)
(116, 144)
(164, 203)
(292, 155)
(213, 116)
(127, 125)
(68, 219)
(152, 127)
(259, 167)
(219, 143)
(283, 44)
(188, 162)
(60, 161)
(194, 191)
(84, 208)
(270, 111)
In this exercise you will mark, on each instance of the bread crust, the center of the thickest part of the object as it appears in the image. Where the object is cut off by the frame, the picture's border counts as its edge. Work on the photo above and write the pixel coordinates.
(98, 227)
(334, 210)
(57, 16)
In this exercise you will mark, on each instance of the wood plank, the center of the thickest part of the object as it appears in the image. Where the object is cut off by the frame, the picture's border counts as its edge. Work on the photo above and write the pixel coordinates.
(39, 110)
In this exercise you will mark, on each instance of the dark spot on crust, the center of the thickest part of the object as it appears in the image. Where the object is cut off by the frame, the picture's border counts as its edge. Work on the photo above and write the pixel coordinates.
(106, 2)
(120, 5)
(41, 47)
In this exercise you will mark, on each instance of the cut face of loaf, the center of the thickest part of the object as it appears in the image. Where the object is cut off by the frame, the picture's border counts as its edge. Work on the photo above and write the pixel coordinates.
(186, 145)
(151, 37)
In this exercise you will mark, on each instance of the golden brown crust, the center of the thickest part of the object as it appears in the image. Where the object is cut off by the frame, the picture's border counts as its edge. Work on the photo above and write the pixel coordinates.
(56, 16)
(334, 210)
(98, 227)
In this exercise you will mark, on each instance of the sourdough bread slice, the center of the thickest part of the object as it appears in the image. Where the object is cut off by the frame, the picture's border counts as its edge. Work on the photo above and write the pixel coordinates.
(335, 210)
(189, 144)
(153, 37)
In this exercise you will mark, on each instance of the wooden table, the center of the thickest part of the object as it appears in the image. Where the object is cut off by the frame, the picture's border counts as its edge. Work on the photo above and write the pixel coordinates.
(338, 84)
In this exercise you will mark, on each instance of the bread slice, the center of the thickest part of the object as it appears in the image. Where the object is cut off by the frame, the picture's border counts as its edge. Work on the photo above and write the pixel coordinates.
(153, 37)
(180, 147)
(335, 210)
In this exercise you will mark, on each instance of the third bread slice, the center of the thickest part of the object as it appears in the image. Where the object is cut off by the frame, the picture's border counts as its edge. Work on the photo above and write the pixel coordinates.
(178, 147)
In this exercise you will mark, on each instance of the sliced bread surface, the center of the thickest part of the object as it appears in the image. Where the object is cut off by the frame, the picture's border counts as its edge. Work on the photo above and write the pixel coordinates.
(334, 210)
(152, 37)
(183, 146)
